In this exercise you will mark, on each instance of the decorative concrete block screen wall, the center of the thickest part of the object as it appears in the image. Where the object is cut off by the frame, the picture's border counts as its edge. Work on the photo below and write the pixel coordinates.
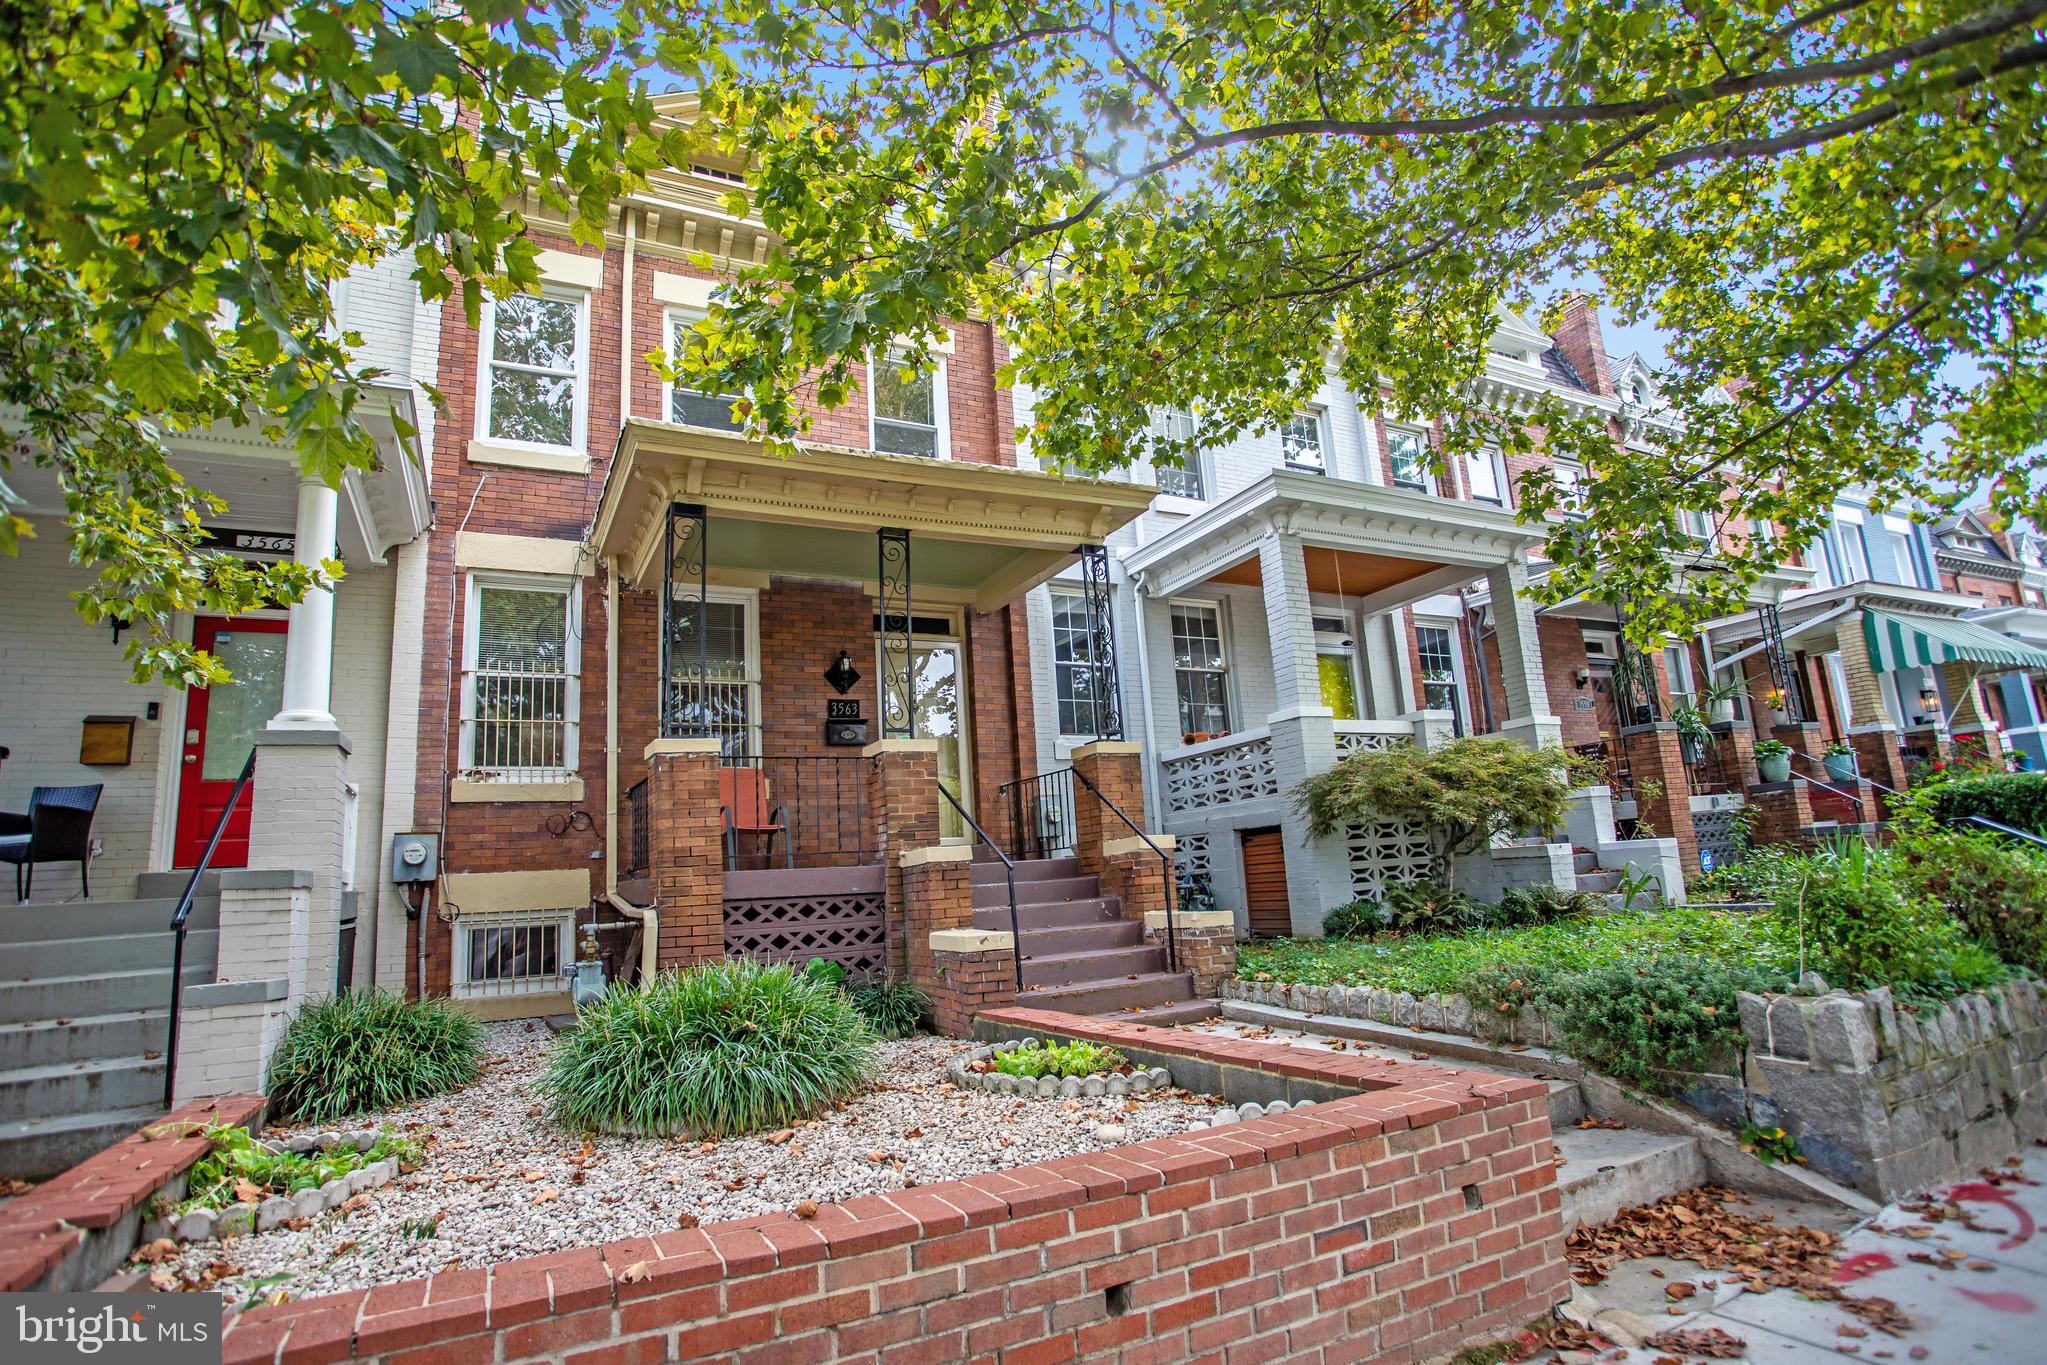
(1889, 1099)
(1405, 1211)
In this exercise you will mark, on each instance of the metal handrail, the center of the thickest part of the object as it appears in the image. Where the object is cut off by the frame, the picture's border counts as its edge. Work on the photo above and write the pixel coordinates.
(2003, 828)
(1165, 866)
(184, 912)
(1009, 871)
(1853, 799)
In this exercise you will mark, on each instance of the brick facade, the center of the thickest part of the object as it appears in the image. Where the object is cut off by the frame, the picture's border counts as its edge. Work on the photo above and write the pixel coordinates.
(685, 851)
(1414, 1212)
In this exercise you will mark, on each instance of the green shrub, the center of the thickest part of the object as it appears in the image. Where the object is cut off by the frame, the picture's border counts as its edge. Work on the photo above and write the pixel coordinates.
(726, 1047)
(1760, 876)
(237, 1159)
(2015, 799)
(1996, 890)
(370, 1050)
(1356, 920)
(1859, 928)
(1643, 1023)
(1428, 908)
(893, 1009)
(1034, 1059)
(1521, 906)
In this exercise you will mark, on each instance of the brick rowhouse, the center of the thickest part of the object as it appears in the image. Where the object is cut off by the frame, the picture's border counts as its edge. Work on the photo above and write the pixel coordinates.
(1397, 1222)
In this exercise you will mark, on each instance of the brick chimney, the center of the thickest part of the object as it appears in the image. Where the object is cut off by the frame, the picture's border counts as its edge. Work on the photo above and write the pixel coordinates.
(1577, 336)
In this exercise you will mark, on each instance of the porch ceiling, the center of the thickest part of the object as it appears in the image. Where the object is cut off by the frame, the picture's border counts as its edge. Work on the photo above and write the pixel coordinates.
(981, 534)
(1388, 546)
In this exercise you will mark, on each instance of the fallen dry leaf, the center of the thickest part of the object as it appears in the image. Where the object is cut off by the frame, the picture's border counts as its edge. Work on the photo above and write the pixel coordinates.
(806, 1209)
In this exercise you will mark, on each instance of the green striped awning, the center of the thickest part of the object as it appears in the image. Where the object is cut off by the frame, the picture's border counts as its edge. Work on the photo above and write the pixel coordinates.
(1911, 641)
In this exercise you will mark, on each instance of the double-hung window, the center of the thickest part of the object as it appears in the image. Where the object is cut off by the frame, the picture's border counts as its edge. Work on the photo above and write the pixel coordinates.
(1436, 653)
(1407, 453)
(694, 407)
(1482, 477)
(1845, 540)
(536, 358)
(719, 635)
(1200, 671)
(1570, 481)
(1696, 523)
(1075, 675)
(909, 415)
(521, 657)
(1300, 443)
(1181, 481)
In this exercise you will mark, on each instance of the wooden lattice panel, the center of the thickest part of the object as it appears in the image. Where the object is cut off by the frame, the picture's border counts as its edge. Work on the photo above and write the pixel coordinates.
(795, 915)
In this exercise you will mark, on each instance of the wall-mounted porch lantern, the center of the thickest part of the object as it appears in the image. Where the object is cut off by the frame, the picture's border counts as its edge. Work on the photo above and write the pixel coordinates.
(842, 675)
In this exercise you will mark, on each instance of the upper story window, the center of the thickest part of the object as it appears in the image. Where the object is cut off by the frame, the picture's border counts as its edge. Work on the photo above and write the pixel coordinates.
(1893, 549)
(1484, 477)
(1200, 671)
(1570, 481)
(1407, 452)
(1300, 443)
(1696, 523)
(1182, 481)
(1848, 557)
(535, 349)
(521, 661)
(694, 407)
(909, 408)
(1074, 674)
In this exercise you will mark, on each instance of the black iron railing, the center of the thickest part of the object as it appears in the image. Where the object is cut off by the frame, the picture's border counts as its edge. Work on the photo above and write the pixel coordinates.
(1009, 874)
(183, 913)
(635, 830)
(1165, 863)
(1041, 814)
(807, 810)
(2000, 827)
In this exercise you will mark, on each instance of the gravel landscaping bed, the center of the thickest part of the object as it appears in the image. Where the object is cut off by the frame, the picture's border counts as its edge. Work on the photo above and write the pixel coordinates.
(501, 1180)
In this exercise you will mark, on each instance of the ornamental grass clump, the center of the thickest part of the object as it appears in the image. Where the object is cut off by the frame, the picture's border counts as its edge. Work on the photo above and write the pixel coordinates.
(370, 1050)
(727, 1047)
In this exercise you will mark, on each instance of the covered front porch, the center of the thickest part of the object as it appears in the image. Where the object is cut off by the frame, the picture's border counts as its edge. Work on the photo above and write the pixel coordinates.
(1272, 643)
(813, 673)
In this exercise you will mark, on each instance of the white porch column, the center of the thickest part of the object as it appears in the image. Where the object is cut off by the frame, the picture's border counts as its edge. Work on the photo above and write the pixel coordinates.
(309, 648)
(1521, 676)
(1303, 732)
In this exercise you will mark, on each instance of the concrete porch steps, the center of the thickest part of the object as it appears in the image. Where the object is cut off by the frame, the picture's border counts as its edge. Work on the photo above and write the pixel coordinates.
(1606, 1170)
(1079, 952)
(84, 1017)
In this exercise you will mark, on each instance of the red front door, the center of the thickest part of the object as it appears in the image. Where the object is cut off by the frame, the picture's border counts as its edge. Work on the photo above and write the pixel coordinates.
(221, 723)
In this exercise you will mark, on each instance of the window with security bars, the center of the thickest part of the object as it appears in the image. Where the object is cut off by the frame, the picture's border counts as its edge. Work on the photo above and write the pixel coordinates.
(1200, 672)
(1300, 443)
(1408, 454)
(1436, 653)
(520, 697)
(511, 954)
(1075, 675)
(532, 392)
(723, 707)
(694, 407)
(1182, 481)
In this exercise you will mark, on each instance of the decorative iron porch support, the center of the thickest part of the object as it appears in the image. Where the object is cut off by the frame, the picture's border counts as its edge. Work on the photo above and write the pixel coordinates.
(1635, 676)
(1101, 642)
(1778, 656)
(685, 568)
(898, 636)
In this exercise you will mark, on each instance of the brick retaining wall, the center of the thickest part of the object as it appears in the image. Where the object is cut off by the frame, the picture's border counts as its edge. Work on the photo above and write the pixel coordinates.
(1393, 1224)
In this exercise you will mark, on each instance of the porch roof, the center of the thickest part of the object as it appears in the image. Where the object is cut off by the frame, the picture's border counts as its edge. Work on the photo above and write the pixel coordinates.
(1816, 615)
(982, 534)
(1388, 546)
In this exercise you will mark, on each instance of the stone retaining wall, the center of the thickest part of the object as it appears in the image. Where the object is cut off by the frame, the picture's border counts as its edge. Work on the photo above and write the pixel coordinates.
(1444, 1013)
(1890, 1099)
(1405, 1211)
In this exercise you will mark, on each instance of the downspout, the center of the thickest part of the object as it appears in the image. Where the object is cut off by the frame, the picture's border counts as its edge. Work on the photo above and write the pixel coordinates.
(648, 916)
(1153, 781)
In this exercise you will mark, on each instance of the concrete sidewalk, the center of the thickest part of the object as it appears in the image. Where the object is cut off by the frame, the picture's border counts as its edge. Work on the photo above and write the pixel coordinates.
(1975, 1285)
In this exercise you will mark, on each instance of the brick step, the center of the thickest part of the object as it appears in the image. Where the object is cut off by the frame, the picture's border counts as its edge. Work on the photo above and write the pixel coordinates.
(988, 868)
(1036, 891)
(1081, 938)
(1106, 997)
(41, 1092)
(1102, 965)
(40, 922)
(44, 1042)
(1049, 915)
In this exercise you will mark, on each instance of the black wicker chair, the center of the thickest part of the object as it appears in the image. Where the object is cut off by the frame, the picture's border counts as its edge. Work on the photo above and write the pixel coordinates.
(57, 829)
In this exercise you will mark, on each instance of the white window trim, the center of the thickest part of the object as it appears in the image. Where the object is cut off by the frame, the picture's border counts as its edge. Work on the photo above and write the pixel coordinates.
(1319, 419)
(1057, 591)
(750, 600)
(1463, 708)
(1348, 633)
(1222, 644)
(486, 343)
(1571, 508)
(1431, 481)
(671, 319)
(1490, 458)
(941, 405)
(572, 662)
(469, 988)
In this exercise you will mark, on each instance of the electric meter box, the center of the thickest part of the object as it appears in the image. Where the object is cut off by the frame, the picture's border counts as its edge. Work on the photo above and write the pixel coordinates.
(415, 857)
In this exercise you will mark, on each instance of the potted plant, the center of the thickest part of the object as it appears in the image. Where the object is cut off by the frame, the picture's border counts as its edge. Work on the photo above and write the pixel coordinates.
(1840, 762)
(1773, 760)
(1694, 732)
